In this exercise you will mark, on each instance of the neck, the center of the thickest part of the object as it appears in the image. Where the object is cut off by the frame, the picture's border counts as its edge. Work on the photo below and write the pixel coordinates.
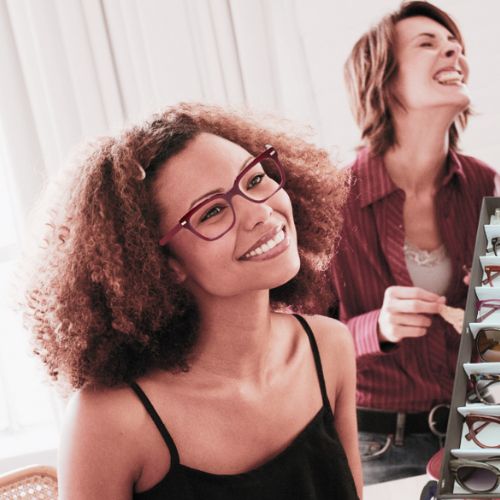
(417, 162)
(235, 335)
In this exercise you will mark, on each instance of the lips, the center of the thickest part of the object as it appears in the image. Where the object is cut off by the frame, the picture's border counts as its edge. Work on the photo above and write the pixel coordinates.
(266, 242)
(449, 76)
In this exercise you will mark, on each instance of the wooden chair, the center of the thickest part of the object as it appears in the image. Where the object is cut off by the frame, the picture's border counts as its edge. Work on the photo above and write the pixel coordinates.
(35, 482)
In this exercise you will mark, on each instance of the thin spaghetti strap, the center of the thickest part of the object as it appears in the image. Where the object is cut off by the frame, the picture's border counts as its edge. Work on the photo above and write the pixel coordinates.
(317, 360)
(174, 454)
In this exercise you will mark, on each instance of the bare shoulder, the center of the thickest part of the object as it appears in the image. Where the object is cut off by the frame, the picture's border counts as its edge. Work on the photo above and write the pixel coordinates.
(101, 410)
(98, 449)
(336, 350)
(332, 336)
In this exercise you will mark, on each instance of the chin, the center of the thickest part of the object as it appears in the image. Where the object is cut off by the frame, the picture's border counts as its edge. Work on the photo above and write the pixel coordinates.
(285, 274)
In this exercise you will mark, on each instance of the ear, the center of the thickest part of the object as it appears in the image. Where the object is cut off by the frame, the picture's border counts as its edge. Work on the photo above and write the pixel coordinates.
(177, 268)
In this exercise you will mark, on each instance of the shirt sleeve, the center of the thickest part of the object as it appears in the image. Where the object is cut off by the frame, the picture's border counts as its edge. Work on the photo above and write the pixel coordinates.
(497, 185)
(364, 330)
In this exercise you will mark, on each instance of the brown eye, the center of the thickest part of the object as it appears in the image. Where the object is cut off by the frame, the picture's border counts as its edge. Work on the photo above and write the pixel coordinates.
(256, 179)
(212, 212)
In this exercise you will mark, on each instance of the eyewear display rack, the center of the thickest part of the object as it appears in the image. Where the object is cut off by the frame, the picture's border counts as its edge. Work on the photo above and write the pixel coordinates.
(446, 483)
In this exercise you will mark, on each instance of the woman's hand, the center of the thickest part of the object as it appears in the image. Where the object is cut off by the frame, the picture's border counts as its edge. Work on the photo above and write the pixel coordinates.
(404, 312)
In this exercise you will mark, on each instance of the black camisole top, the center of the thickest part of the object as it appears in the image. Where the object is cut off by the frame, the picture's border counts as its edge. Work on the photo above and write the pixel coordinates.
(313, 466)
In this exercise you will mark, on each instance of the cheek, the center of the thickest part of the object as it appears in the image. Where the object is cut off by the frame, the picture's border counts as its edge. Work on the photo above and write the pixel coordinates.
(204, 262)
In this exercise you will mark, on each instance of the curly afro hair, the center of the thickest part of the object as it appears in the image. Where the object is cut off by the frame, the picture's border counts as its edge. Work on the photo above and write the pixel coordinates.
(102, 303)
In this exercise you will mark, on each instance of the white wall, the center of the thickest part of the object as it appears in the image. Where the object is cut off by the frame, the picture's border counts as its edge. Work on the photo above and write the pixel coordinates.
(330, 28)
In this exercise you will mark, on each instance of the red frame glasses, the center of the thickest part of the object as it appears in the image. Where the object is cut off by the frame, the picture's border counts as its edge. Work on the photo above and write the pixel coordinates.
(483, 421)
(492, 304)
(492, 271)
(184, 221)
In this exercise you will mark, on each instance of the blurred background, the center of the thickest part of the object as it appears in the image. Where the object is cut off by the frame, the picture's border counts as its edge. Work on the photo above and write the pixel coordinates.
(72, 70)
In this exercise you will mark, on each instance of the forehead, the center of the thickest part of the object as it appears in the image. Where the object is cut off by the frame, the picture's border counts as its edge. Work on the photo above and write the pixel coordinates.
(407, 29)
(207, 163)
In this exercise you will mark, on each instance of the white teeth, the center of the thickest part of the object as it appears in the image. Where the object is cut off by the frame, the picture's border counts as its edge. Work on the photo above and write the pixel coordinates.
(449, 77)
(271, 244)
(268, 245)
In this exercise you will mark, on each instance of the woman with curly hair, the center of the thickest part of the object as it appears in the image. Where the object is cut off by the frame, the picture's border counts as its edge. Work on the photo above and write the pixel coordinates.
(163, 294)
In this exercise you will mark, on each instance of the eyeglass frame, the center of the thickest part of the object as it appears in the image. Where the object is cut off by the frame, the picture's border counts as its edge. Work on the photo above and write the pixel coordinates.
(471, 418)
(475, 378)
(492, 271)
(486, 303)
(494, 241)
(184, 221)
(476, 341)
(455, 463)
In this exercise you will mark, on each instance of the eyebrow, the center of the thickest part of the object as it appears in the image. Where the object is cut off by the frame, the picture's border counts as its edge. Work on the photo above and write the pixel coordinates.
(432, 35)
(220, 190)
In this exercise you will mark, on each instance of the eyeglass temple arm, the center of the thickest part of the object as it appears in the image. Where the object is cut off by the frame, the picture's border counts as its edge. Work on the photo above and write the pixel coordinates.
(493, 308)
(489, 278)
(171, 234)
(476, 431)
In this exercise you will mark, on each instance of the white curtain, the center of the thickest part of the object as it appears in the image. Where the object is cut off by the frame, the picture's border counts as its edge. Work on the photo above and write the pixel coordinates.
(76, 69)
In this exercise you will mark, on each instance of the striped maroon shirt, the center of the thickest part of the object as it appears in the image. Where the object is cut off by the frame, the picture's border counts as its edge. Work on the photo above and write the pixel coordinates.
(416, 373)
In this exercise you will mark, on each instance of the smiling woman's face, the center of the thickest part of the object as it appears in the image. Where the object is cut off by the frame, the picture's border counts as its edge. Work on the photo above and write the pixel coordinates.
(260, 250)
(432, 69)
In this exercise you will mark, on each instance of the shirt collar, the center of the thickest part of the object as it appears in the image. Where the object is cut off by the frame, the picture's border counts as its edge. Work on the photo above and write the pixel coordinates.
(375, 183)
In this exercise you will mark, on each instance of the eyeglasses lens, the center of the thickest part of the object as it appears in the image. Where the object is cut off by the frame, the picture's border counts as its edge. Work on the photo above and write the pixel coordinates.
(259, 183)
(487, 433)
(476, 479)
(488, 344)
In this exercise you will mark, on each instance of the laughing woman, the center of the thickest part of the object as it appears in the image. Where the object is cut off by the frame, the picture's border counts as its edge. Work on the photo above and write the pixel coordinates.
(160, 298)
(409, 230)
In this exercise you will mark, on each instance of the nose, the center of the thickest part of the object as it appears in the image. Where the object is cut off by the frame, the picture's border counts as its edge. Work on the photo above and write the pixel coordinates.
(250, 214)
(452, 48)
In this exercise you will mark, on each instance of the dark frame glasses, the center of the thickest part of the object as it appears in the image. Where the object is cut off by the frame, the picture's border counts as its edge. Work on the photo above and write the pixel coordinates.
(487, 342)
(469, 473)
(495, 242)
(185, 222)
(482, 392)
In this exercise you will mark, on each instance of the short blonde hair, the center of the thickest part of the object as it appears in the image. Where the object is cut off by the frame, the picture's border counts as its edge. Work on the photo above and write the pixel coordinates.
(370, 68)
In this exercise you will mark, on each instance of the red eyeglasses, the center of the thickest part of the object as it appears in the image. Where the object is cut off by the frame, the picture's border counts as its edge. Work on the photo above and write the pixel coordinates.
(215, 216)
(492, 272)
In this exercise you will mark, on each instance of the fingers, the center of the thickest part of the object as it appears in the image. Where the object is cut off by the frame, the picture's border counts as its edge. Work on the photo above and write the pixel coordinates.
(404, 312)
(414, 306)
(418, 320)
(412, 292)
(411, 332)
(392, 331)
(405, 299)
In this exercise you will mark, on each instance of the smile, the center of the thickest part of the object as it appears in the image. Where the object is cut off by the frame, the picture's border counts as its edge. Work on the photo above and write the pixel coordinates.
(274, 245)
(449, 77)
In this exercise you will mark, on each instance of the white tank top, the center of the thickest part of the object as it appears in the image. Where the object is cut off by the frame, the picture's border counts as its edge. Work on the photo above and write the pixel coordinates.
(430, 270)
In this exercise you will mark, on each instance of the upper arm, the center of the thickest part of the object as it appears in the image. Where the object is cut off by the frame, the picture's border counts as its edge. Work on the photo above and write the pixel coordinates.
(96, 459)
(338, 359)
